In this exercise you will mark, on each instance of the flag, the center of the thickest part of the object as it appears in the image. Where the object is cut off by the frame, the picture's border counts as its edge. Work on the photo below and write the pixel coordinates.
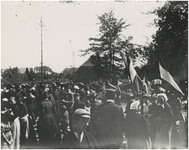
(137, 83)
(147, 86)
(108, 85)
(165, 75)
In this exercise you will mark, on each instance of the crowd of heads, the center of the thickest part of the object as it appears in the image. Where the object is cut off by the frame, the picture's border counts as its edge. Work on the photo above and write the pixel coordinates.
(10, 94)
(96, 94)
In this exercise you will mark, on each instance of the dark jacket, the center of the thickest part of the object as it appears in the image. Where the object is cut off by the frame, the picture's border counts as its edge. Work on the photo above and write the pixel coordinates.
(78, 104)
(70, 141)
(30, 103)
(23, 110)
(57, 97)
(109, 125)
(46, 124)
(15, 110)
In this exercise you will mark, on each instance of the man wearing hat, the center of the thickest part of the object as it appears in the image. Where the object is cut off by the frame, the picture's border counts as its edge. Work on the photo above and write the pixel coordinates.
(77, 102)
(82, 92)
(78, 137)
(110, 123)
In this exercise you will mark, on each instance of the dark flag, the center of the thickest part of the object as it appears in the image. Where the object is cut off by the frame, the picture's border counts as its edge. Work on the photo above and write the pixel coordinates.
(165, 75)
(147, 86)
(137, 83)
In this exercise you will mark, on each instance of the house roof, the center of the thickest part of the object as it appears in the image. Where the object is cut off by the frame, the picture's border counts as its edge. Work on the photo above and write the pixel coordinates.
(87, 63)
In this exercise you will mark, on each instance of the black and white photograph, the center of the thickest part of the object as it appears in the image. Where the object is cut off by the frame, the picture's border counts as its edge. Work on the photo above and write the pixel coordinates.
(109, 74)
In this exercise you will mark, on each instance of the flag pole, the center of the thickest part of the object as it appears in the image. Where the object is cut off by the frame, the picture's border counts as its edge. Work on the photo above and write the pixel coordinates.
(41, 53)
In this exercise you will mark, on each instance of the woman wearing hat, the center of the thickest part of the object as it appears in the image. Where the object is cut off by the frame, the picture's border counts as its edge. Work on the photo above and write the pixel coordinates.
(164, 119)
(136, 128)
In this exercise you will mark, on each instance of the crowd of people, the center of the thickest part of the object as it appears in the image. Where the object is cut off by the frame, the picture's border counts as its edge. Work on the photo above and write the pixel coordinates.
(70, 116)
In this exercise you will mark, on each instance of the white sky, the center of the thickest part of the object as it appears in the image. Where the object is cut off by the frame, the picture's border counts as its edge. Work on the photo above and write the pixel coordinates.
(67, 28)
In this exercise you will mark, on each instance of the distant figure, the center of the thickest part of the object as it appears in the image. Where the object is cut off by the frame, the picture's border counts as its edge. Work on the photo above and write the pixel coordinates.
(78, 137)
(68, 99)
(82, 92)
(77, 102)
(57, 97)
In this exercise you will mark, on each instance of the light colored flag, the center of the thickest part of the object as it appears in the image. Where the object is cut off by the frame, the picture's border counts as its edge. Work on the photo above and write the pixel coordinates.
(165, 75)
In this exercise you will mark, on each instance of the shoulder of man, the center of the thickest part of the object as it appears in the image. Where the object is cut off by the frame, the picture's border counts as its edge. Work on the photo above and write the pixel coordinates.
(93, 143)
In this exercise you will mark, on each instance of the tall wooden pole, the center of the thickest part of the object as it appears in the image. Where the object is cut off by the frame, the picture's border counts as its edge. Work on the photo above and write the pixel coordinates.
(41, 53)
(73, 59)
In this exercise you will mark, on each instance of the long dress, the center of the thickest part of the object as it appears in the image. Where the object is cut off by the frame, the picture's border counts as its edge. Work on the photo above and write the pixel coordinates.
(164, 122)
(136, 130)
(16, 128)
(16, 133)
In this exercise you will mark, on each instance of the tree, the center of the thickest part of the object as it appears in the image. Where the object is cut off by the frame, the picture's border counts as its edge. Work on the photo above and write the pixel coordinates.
(32, 74)
(106, 49)
(69, 73)
(11, 76)
(171, 39)
(27, 73)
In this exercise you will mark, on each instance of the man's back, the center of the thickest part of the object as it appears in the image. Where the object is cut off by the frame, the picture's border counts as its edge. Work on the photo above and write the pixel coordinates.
(110, 114)
(110, 125)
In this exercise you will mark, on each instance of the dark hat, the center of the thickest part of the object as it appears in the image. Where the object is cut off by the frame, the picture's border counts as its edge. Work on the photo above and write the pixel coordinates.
(110, 93)
(83, 113)
(54, 85)
(98, 88)
(76, 94)
(23, 86)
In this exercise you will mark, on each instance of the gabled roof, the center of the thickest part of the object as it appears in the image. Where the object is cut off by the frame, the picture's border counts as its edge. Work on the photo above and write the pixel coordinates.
(87, 63)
